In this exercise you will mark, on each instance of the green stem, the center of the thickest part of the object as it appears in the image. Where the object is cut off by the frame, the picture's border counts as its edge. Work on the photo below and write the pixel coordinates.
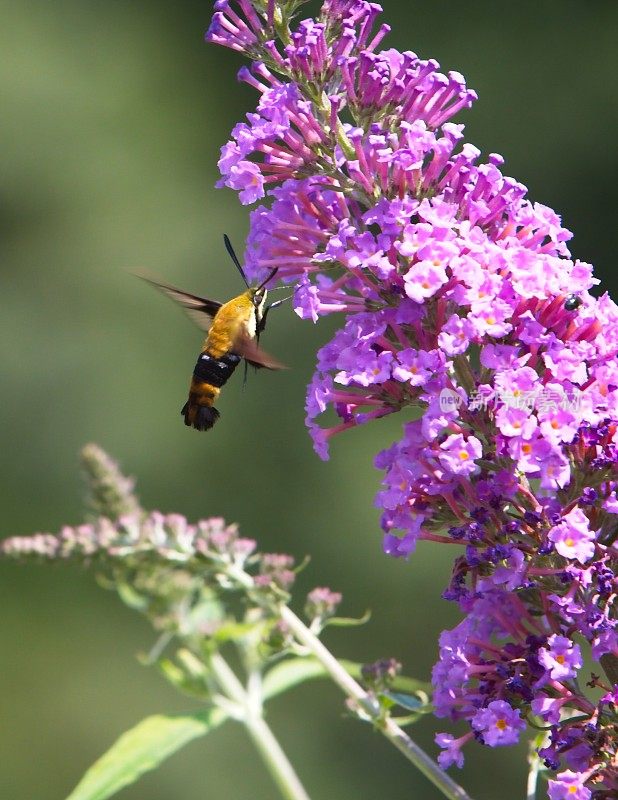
(266, 744)
(276, 760)
(533, 775)
(396, 735)
(535, 766)
(371, 707)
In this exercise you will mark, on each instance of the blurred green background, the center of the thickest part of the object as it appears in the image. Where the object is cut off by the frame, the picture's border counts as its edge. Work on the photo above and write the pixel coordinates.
(113, 114)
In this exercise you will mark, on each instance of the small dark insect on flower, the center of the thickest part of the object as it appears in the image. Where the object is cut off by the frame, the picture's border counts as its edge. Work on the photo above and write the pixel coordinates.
(233, 333)
(572, 303)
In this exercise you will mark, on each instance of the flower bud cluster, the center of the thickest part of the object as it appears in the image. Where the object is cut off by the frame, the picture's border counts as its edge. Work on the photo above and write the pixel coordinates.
(185, 578)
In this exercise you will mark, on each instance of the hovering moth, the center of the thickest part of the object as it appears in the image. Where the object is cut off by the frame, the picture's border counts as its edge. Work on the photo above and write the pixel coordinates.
(233, 333)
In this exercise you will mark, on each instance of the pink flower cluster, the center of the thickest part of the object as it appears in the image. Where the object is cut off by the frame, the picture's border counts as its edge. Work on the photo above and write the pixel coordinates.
(462, 309)
(151, 547)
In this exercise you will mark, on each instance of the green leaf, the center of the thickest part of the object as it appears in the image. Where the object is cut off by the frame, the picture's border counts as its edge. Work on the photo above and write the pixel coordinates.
(348, 622)
(289, 673)
(609, 663)
(171, 672)
(293, 671)
(141, 749)
(418, 706)
(232, 631)
(131, 598)
(407, 701)
(188, 684)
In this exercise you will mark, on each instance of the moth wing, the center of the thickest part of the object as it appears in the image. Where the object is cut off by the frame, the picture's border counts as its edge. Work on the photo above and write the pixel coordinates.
(199, 309)
(249, 349)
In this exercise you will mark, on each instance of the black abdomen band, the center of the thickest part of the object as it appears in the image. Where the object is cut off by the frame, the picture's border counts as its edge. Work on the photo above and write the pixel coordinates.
(215, 371)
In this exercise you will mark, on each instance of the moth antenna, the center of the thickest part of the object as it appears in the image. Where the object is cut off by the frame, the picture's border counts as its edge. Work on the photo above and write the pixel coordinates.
(234, 257)
(271, 275)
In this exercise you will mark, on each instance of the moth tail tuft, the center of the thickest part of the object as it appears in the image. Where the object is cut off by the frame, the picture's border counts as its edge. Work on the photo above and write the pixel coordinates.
(202, 418)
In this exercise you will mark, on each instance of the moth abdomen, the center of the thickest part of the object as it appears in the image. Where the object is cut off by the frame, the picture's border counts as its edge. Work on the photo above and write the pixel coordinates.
(215, 371)
(209, 375)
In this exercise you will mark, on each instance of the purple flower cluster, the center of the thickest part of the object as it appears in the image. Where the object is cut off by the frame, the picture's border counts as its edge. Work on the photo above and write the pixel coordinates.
(462, 308)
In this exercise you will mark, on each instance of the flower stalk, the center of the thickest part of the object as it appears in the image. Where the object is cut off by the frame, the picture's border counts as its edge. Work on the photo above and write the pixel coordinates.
(250, 715)
(372, 710)
(361, 699)
(183, 578)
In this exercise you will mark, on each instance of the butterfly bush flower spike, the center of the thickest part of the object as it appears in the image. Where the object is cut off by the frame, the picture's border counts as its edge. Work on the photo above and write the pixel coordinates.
(455, 294)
